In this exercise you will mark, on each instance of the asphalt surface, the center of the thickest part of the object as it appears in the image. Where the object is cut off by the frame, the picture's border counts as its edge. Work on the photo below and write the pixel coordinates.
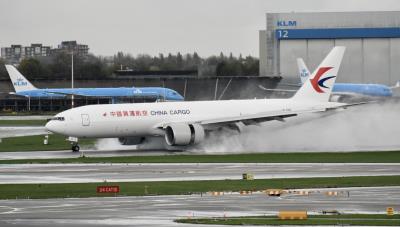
(87, 153)
(18, 131)
(162, 210)
(28, 117)
(73, 173)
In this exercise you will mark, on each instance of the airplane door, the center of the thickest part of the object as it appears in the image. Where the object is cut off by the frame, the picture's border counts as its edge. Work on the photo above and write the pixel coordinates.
(85, 120)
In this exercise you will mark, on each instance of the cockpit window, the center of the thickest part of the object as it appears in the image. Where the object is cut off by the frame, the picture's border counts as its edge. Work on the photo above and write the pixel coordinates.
(56, 119)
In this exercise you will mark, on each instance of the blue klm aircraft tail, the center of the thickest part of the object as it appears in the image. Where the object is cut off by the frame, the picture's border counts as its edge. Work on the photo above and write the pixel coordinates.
(19, 82)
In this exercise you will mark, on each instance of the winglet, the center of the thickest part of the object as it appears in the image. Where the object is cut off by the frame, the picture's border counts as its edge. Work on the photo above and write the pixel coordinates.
(304, 73)
(19, 82)
(318, 87)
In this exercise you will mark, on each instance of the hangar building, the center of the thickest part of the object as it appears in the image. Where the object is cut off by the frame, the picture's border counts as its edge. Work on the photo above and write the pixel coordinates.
(372, 40)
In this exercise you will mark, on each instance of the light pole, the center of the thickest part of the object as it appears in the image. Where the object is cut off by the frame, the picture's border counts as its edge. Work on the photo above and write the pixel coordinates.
(72, 77)
(29, 102)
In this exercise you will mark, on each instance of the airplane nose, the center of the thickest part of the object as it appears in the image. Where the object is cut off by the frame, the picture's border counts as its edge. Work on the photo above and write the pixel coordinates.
(54, 127)
(49, 126)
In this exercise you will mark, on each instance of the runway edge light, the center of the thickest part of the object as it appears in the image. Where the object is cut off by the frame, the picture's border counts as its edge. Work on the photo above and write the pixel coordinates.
(390, 211)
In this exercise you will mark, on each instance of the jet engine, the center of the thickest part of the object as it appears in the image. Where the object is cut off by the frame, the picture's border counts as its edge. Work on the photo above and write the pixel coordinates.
(181, 134)
(131, 140)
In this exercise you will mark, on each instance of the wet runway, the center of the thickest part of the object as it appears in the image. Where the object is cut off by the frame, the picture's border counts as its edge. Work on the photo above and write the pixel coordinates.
(21, 131)
(27, 117)
(162, 210)
(73, 173)
(88, 153)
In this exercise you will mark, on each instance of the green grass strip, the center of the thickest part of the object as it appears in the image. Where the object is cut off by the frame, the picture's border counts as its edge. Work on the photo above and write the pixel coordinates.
(77, 190)
(35, 143)
(350, 219)
(352, 157)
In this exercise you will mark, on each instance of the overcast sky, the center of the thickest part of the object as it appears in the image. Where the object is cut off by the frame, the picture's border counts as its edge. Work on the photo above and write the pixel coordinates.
(156, 26)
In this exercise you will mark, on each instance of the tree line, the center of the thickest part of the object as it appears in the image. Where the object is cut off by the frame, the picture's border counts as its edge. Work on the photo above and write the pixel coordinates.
(98, 67)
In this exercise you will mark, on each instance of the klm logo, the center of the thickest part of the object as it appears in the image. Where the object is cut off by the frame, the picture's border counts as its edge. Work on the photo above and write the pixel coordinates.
(283, 23)
(304, 73)
(20, 82)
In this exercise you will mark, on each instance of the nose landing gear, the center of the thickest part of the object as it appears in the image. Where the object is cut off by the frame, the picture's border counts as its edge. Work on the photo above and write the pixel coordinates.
(74, 143)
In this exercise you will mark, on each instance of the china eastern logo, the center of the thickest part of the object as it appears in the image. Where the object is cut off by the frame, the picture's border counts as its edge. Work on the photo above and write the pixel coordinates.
(317, 82)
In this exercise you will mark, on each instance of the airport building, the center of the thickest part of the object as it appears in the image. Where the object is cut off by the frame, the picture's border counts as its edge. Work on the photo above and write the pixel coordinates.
(15, 53)
(72, 46)
(372, 40)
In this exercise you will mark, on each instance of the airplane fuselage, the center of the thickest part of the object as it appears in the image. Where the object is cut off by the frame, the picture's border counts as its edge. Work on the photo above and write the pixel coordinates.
(103, 92)
(363, 89)
(148, 119)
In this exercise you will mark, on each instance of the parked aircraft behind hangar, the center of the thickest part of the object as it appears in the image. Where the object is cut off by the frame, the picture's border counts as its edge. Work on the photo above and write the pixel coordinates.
(350, 89)
(184, 124)
(24, 88)
(345, 90)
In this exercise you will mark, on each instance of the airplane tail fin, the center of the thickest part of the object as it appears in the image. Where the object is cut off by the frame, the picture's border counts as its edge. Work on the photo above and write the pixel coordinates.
(304, 73)
(19, 82)
(318, 87)
(397, 85)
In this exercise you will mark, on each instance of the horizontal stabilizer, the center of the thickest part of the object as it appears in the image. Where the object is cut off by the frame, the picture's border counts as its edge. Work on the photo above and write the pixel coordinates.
(397, 85)
(276, 89)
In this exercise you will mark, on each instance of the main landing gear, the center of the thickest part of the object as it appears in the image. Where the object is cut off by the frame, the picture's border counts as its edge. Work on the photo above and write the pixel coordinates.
(74, 144)
(75, 148)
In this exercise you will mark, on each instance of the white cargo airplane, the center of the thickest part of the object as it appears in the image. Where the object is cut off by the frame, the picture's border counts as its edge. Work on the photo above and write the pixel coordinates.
(186, 123)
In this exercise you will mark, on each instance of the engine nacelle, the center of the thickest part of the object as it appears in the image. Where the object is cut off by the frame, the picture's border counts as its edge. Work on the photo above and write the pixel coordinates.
(181, 134)
(131, 140)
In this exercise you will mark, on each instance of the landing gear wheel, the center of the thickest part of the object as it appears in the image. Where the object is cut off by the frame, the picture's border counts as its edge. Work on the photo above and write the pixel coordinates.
(75, 148)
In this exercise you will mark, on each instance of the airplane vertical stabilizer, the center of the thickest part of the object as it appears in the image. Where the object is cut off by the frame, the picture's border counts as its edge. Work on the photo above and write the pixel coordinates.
(19, 82)
(318, 87)
(304, 73)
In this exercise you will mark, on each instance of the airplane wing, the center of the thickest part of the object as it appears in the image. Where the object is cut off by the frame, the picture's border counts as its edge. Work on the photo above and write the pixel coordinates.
(12, 93)
(276, 89)
(253, 119)
(61, 93)
(68, 93)
(291, 85)
(86, 95)
(226, 121)
(352, 104)
(248, 120)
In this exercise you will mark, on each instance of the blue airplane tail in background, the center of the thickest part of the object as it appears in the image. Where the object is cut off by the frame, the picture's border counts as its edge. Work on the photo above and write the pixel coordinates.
(24, 88)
